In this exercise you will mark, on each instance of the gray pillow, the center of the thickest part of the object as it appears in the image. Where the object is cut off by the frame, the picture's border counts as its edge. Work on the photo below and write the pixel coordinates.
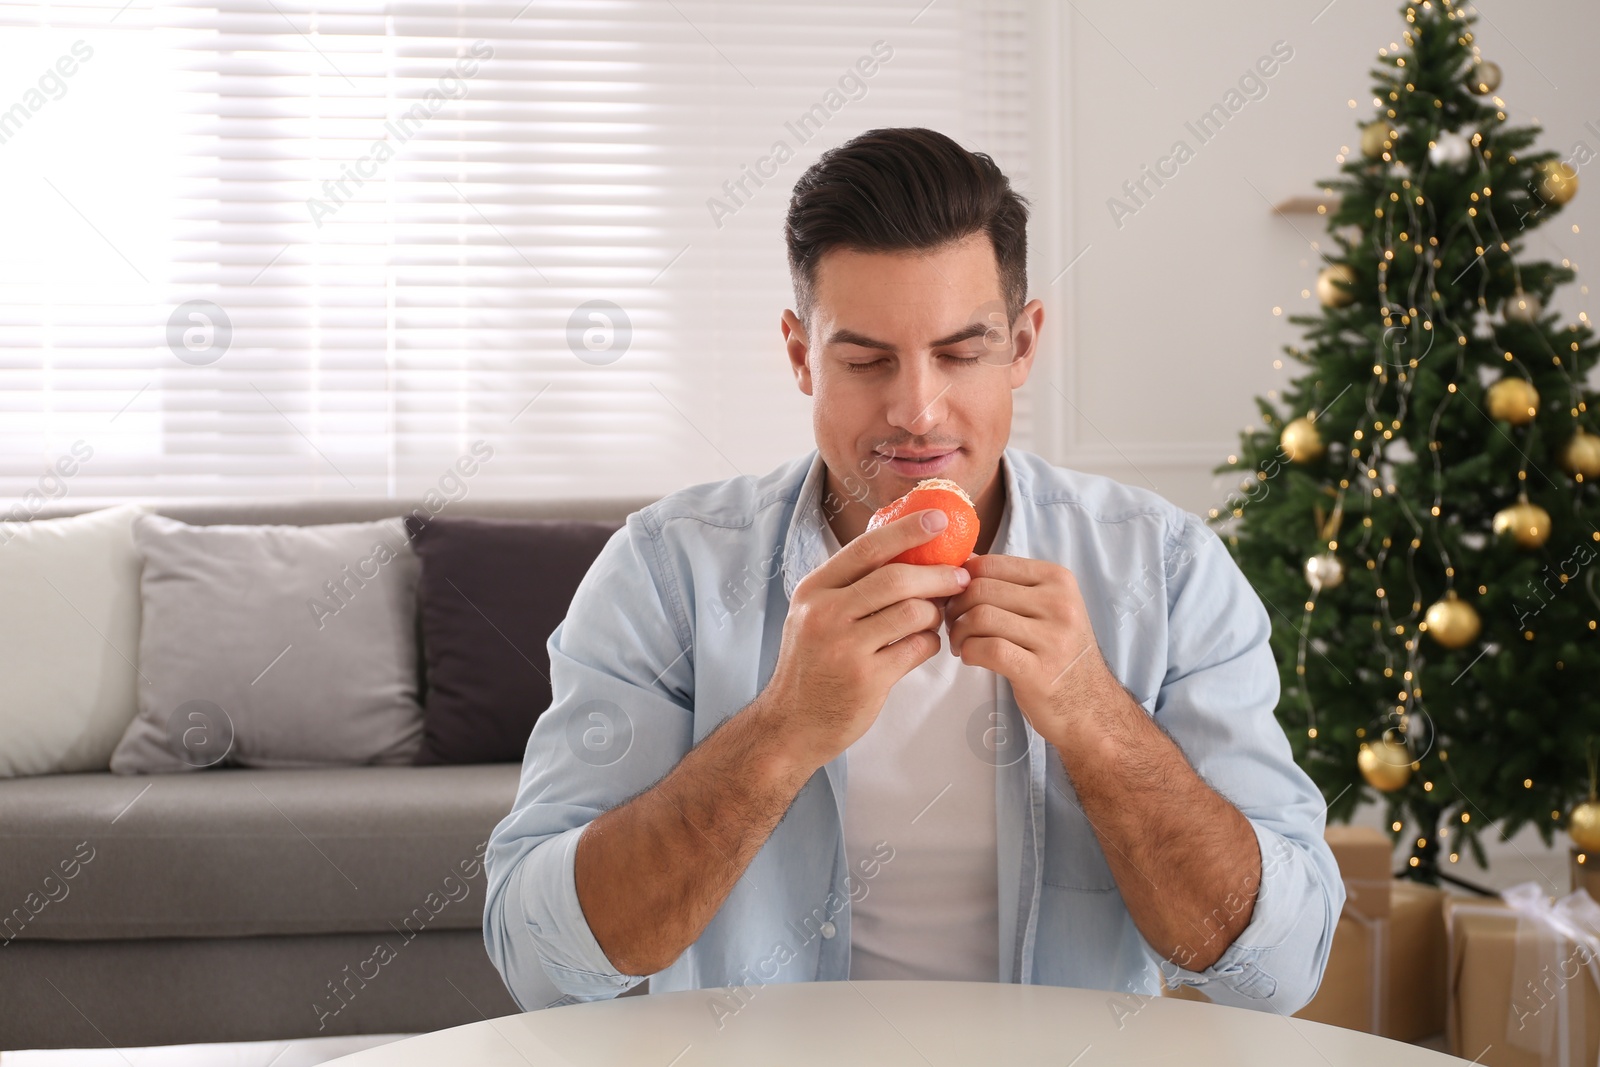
(274, 646)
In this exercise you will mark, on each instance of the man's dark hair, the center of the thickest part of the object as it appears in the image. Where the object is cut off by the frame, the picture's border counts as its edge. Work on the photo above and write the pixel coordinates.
(900, 190)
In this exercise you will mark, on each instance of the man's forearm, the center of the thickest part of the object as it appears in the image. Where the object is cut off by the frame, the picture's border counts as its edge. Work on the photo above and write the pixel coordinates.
(1186, 860)
(652, 873)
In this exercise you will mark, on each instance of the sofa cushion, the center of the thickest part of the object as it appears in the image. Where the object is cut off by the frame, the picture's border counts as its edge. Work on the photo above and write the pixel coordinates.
(274, 646)
(69, 638)
(491, 593)
(243, 852)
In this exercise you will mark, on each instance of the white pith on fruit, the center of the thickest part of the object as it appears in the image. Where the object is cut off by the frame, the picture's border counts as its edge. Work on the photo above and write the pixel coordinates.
(943, 483)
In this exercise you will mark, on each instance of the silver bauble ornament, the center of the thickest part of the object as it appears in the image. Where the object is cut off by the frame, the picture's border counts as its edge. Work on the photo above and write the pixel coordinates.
(1324, 571)
(1522, 307)
(1483, 78)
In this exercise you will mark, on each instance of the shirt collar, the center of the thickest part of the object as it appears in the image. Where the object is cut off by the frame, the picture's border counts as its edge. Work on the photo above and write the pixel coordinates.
(803, 549)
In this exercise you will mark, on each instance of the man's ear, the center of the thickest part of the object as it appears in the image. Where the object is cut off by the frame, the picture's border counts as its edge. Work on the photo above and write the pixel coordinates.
(1026, 340)
(797, 349)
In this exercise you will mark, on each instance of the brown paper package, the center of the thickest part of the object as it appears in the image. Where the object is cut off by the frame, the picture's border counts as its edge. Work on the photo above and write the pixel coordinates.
(1480, 979)
(1364, 861)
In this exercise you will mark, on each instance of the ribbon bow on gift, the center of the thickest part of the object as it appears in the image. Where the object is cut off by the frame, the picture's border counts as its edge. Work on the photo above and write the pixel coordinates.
(1565, 940)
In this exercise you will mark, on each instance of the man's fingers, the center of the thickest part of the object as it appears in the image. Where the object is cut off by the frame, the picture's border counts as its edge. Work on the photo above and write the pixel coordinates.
(894, 582)
(911, 651)
(874, 548)
(986, 620)
(1017, 599)
(1014, 569)
(898, 620)
(998, 655)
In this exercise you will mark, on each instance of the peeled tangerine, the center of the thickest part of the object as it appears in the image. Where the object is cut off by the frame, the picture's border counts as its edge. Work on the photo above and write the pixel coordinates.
(954, 543)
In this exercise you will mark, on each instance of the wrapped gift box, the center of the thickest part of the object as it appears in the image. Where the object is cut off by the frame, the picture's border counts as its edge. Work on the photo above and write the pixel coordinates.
(1522, 993)
(1364, 855)
(1351, 993)
(1414, 1000)
(1386, 976)
(1585, 868)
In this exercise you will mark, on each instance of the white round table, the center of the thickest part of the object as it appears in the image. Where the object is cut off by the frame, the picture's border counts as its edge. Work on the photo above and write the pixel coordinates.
(919, 1024)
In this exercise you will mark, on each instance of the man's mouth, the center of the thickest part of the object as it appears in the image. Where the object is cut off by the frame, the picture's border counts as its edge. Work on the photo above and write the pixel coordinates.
(919, 464)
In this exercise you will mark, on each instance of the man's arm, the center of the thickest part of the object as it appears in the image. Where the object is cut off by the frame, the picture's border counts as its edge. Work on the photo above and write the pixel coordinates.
(652, 873)
(624, 891)
(1186, 861)
(1248, 894)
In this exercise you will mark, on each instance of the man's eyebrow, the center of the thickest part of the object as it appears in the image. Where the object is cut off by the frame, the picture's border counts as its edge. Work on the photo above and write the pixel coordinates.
(850, 337)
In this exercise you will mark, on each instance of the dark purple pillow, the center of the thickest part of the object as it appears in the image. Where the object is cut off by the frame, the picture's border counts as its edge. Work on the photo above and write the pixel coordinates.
(491, 593)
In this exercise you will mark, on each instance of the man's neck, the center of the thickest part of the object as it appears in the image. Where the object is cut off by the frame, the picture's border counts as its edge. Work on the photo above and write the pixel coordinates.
(848, 517)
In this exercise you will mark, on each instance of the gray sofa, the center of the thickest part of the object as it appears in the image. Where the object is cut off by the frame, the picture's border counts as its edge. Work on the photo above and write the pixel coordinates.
(239, 905)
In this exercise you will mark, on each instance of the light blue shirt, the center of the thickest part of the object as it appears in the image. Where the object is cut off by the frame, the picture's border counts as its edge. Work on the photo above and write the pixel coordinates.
(676, 627)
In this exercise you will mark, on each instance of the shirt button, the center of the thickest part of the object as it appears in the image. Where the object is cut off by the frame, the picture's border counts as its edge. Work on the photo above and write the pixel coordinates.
(828, 929)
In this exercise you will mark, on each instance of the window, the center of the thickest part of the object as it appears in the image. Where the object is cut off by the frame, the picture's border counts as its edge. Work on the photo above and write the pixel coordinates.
(271, 248)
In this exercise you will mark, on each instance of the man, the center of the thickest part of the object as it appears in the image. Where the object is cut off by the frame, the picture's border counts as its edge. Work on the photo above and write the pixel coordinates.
(770, 758)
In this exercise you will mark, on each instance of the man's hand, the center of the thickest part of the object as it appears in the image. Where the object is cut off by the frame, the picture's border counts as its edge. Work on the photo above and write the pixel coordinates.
(857, 624)
(1025, 619)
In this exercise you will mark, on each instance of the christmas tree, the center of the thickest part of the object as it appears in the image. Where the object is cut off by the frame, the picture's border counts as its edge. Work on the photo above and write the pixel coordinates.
(1419, 511)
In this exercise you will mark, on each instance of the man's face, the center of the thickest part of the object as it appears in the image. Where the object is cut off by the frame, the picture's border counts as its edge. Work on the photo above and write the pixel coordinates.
(911, 364)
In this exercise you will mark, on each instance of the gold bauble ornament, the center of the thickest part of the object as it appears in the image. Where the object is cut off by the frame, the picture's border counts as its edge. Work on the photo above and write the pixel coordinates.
(1386, 766)
(1583, 825)
(1582, 455)
(1584, 822)
(1300, 440)
(1558, 182)
(1333, 295)
(1324, 571)
(1514, 399)
(1528, 523)
(1452, 622)
(1375, 139)
(1483, 78)
(1522, 307)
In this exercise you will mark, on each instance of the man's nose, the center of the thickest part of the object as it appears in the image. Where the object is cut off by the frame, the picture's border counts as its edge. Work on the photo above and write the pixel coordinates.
(919, 402)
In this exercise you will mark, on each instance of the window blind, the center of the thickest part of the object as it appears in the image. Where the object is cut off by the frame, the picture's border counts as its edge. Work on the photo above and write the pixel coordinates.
(290, 249)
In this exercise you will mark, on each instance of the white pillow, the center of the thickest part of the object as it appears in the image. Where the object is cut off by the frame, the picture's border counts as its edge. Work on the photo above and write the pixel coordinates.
(69, 638)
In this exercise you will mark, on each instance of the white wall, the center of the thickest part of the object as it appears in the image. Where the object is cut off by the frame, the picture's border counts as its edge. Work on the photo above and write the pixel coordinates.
(1165, 326)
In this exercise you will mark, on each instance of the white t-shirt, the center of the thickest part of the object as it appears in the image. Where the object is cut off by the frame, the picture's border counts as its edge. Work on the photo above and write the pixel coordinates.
(916, 786)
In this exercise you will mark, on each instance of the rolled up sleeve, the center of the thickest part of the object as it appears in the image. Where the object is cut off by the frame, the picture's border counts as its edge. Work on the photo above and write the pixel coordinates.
(1218, 703)
(620, 718)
